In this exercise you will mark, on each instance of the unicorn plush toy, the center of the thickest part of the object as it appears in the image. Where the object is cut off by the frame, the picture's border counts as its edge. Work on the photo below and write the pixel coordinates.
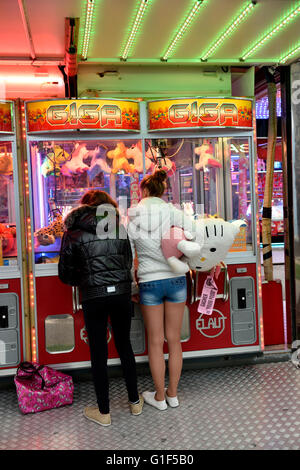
(75, 165)
(98, 162)
(136, 154)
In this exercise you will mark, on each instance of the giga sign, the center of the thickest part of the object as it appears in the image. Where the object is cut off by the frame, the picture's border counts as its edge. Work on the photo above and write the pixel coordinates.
(62, 115)
(199, 112)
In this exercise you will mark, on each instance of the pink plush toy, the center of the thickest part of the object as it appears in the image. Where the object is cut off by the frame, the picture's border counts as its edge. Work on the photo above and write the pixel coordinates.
(136, 154)
(75, 165)
(202, 250)
(206, 157)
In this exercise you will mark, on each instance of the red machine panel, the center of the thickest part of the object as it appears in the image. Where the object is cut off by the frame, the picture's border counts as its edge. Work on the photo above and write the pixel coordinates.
(216, 331)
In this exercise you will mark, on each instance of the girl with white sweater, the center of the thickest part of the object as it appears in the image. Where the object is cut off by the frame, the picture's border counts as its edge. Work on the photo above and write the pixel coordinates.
(162, 293)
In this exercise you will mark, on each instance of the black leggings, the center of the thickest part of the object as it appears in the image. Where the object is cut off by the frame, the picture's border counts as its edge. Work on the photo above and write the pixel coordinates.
(96, 312)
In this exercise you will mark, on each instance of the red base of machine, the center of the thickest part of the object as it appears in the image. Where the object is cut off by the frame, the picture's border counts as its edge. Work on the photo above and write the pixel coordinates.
(273, 319)
(206, 333)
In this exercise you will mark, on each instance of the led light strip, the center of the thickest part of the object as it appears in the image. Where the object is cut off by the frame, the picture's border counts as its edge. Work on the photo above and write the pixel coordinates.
(286, 57)
(262, 106)
(231, 28)
(282, 24)
(183, 28)
(87, 27)
(135, 28)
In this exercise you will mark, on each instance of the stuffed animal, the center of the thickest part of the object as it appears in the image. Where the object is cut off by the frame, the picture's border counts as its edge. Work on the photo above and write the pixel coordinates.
(119, 159)
(7, 238)
(98, 162)
(135, 152)
(214, 238)
(47, 235)
(6, 164)
(206, 157)
(75, 164)
(53, 160)
(162, 162)
(166, 164)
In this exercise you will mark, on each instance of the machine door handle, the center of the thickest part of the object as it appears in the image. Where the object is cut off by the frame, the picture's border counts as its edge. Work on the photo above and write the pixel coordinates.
(224, 296)
(75, 299)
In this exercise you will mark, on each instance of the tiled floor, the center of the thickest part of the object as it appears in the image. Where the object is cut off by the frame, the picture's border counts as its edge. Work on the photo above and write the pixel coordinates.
(241, 407)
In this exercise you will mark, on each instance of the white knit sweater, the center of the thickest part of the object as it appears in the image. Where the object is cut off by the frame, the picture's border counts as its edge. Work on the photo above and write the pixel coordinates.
(147, 222)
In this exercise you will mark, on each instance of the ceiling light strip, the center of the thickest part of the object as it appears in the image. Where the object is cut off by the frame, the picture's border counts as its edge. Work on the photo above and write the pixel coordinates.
(286, 57)
(87, 27)
(182, 30)
(136, 26)
(231, 28)
(282, 24)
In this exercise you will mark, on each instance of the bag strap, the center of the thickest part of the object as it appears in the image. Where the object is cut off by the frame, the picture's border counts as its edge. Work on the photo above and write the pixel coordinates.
(30, 369)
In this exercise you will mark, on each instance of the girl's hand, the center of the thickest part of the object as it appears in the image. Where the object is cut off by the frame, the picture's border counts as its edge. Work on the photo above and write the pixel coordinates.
(135, 298)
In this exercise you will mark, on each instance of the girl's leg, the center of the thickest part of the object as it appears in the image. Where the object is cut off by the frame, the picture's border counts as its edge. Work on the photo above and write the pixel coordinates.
(95, 316)
(154, 322)
(120, 316)
(173, 321)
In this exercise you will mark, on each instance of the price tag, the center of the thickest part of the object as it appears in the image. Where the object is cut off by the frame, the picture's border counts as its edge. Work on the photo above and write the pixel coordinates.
(208, 296)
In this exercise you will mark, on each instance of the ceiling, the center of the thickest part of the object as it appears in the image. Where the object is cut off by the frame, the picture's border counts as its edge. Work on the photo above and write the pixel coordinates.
(32, 39)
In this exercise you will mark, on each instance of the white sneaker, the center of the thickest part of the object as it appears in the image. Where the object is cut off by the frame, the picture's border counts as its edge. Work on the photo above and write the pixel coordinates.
(172, 401)
(149, 398)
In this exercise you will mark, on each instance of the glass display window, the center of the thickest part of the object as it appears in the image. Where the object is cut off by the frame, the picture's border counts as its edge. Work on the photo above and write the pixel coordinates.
(238, 187)
(207, 177)
(8, 242)
(63, 171)
(193, 168)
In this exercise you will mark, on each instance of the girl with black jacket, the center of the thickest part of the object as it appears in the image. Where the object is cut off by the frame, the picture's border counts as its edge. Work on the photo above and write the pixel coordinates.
(96, 256)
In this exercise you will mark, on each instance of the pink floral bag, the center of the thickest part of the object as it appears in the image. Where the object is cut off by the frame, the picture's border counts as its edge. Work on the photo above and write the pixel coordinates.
(41, 388)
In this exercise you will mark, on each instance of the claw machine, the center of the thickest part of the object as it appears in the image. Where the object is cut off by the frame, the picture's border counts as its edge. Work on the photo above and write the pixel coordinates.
(75, 146)
(12, 324)
(207, 147)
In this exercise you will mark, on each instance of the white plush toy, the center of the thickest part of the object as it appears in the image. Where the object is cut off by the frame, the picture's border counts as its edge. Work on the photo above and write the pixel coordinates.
(214, 238)
(206, 157)
(76, 165)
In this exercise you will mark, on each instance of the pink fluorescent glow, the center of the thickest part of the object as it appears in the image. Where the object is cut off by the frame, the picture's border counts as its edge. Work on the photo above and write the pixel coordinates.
(31, 79)
(40, 190)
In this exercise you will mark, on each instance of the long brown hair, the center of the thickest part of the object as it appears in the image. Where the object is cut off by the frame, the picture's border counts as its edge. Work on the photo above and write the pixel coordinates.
(155, 183)
(95, 197)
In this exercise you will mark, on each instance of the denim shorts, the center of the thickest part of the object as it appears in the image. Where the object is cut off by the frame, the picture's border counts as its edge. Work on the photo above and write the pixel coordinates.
(163, 290)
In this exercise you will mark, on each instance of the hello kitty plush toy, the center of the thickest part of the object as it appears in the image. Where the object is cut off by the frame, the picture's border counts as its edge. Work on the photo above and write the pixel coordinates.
(214, 237)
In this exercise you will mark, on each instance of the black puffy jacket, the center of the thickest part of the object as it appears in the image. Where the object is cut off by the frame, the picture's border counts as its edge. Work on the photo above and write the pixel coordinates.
(99, 266)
